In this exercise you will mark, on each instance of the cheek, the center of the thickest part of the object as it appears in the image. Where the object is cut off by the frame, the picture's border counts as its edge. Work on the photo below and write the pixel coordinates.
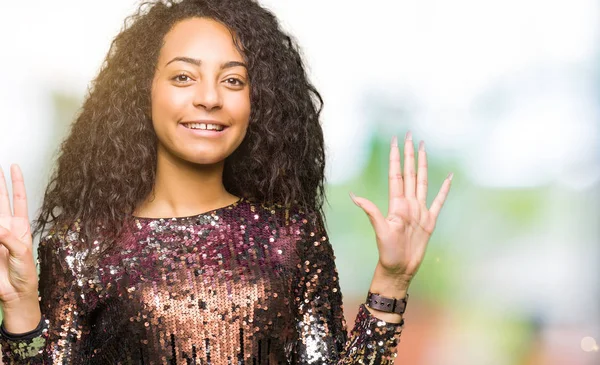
(242, 107)
(167, 103)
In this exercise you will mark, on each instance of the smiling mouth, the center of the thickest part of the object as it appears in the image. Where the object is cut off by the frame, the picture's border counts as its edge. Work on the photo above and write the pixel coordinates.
(205, 126)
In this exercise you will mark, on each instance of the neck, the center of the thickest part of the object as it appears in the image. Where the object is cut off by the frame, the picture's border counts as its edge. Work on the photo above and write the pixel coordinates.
(182, 188)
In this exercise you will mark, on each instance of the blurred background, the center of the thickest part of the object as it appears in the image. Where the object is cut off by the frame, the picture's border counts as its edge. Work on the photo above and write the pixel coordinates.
(506, 95)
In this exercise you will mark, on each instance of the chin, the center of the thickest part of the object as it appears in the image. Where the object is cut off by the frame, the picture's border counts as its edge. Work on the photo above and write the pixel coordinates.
(202, 157)
(199, 153)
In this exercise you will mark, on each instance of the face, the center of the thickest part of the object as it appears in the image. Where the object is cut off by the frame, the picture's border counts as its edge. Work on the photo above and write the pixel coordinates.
(200, 81)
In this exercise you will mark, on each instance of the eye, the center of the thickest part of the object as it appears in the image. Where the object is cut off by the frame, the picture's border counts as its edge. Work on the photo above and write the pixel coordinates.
(235, 82)
(181, 78)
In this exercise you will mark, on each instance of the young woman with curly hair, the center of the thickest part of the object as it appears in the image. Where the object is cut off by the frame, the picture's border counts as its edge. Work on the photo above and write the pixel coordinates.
(185, 221)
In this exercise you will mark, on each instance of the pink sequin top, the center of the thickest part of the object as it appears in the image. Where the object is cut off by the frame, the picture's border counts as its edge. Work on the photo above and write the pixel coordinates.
(242, 284)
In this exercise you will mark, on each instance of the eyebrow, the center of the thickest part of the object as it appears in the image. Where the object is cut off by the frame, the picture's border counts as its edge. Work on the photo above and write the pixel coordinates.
(197, 62)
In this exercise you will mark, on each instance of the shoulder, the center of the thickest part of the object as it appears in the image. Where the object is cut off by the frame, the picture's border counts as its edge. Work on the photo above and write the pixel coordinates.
(63, 238)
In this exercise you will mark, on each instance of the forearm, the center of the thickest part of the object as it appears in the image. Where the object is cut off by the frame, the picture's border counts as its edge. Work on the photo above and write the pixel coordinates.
(391, 287)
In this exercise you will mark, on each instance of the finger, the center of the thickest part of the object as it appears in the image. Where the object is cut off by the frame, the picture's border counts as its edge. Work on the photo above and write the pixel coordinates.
(395, 184)
(409, 166)
(19, 193)
(377, 219)
(439, 200)
(12, 243)
(422, 174)
(4, 201)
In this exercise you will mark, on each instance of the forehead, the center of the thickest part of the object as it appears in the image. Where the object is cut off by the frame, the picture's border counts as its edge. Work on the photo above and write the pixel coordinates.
(201, 38)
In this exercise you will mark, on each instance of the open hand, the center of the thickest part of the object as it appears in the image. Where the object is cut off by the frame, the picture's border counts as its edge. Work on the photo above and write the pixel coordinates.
(403, 235)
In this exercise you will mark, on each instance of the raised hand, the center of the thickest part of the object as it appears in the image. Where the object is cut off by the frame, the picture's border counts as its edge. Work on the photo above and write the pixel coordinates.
(18, 275)
(403, 235)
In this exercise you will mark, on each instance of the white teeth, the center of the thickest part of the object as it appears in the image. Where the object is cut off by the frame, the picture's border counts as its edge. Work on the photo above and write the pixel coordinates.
(215, 127)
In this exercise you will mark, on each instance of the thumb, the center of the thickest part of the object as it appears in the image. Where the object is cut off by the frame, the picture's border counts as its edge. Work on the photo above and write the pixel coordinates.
(377, 219)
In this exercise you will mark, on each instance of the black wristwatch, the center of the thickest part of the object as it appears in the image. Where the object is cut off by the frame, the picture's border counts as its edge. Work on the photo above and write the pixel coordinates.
(391, 305)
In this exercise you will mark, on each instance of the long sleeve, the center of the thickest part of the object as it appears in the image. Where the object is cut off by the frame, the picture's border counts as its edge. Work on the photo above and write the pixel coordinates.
(62, 330)
(322, 336)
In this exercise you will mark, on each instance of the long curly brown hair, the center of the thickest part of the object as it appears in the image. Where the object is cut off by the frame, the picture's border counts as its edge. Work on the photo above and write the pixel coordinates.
(107, 164)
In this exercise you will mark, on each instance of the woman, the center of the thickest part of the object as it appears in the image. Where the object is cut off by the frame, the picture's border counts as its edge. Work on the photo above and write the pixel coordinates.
(201, 106)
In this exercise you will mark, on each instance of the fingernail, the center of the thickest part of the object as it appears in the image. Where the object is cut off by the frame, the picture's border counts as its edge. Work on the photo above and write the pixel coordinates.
(394, 141)
(422, 146)
(450, 175)
(408, 136)
(352, 196)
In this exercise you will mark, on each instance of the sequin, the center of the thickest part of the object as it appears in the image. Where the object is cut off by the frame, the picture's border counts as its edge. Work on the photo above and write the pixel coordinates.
(244, 284)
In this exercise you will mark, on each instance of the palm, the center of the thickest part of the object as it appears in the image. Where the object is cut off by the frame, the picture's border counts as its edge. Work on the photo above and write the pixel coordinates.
(17, 270)
(19, 226)
(403, 235)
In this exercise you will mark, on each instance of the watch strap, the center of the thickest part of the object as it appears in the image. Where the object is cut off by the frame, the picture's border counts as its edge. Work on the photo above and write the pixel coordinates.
(384, 304)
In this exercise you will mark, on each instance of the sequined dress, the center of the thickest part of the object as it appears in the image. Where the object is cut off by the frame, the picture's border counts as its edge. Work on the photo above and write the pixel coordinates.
(242, 284)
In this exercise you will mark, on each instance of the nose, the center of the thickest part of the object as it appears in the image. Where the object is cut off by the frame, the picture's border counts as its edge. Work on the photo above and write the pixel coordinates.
(207, 95)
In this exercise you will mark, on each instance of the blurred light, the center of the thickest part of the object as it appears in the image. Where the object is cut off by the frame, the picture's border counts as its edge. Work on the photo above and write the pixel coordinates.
(588, 344)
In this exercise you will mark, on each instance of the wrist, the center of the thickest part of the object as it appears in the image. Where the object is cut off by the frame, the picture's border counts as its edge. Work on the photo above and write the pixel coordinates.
(21, 317)
(20, 300)
(385, 316)
(389, 285)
